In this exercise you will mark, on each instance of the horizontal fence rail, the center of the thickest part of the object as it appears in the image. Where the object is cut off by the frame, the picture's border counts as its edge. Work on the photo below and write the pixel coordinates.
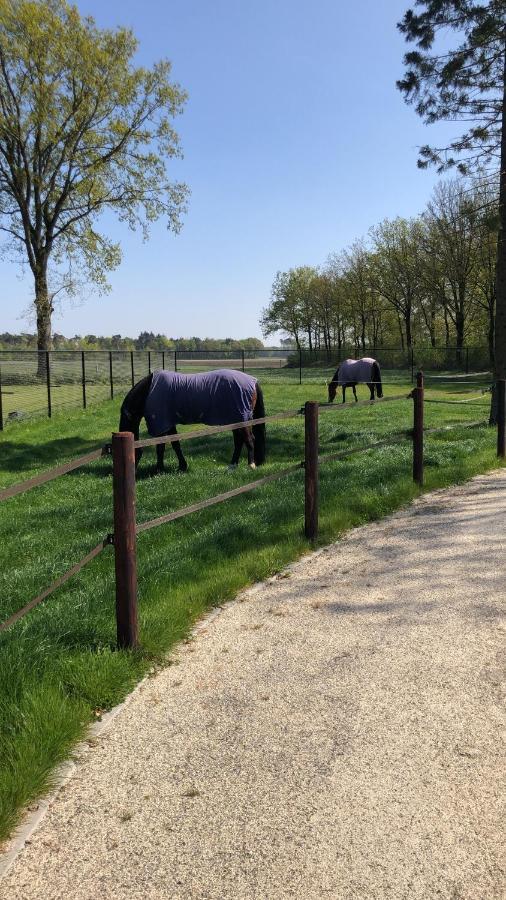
(216, 429)
(30, 483)
(219, 498)
(396, 438)
(126, 527)
(56, 584)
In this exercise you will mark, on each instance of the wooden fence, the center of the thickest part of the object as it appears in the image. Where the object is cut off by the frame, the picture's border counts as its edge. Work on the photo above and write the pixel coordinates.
(126, 528)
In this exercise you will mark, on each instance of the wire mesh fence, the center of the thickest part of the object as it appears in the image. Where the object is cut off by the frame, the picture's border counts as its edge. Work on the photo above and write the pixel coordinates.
(42, 383)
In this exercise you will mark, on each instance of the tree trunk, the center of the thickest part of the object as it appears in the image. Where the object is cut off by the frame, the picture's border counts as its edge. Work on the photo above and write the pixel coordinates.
(491, 336)
(401, 331)
(407, 325)
(459, 333)
(500, 308)
(44, 309)
(447, 328)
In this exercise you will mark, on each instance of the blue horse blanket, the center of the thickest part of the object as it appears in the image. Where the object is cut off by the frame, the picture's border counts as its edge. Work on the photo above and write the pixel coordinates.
(356, 371)
(219, 397)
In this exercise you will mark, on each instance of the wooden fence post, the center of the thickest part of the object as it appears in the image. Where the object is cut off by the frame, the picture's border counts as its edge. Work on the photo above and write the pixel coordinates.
(125, 550)
(175, 360)
(311, 410)
(149, 362)
(300, 366)
(501, 418)
(242, 355)
(48, 384)
(83, 378)
(132, 367)
(418, 429)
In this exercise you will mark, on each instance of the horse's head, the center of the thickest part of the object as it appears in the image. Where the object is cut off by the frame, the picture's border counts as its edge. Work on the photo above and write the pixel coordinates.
(130, 421)
(333, 386)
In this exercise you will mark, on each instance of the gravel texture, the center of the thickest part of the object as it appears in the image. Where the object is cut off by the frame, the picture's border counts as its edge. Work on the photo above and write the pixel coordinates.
(335, 732)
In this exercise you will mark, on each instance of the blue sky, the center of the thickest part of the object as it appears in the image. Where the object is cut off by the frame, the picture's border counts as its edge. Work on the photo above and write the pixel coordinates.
(295, 142)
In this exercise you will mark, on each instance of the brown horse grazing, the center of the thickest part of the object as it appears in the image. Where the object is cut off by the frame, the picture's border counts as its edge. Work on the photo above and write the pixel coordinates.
(220, 397)
(356, 371)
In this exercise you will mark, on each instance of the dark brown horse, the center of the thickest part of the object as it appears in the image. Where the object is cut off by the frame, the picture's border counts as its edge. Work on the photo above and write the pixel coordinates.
(220, 397)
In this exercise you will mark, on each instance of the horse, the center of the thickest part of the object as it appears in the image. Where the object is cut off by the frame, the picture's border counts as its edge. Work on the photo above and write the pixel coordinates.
(353, 372)
(220, 397)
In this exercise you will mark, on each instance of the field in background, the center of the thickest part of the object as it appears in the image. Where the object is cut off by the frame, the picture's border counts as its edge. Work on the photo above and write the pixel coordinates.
(58, 666)
(33, 384)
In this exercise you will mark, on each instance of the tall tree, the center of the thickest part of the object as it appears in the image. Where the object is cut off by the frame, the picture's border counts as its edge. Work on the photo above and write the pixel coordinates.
(283, 312)
(465, 83)
(82, 131)
(395, 271)
(452, 220)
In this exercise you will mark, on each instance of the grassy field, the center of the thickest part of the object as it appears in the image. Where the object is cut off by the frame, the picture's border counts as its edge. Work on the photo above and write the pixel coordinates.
(58, 666)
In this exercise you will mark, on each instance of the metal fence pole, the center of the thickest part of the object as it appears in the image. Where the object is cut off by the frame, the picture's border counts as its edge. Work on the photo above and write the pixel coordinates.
(467, 360)
(412, 366)
(1, 405)
(242, 351)
(501, 418)
(163, 359)
(111, 382)
(132, 366)
(418, 393)
(125, 549)
(83, 372)
(175, 360)
(149, 362)
(48, 384)
(300, 366)
(311, 410)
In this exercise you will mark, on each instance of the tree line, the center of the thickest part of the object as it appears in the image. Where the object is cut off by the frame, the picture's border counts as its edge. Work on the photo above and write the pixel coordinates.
(146, 340)
(428, 280)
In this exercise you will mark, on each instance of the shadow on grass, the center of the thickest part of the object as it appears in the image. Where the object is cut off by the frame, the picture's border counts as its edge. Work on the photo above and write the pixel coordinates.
(21, 457)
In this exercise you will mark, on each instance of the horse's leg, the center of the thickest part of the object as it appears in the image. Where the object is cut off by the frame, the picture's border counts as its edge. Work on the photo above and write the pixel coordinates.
(250, 445)
(355, 392)
(238, 442)
(344, 393)
(176, 446)
(371, 390)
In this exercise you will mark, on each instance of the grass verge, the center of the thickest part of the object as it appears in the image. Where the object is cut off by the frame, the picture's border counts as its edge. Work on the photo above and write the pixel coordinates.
(58, 666)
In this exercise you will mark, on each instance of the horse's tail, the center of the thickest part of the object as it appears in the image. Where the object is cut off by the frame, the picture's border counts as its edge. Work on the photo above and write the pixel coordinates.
(376, 377)
(259, 430)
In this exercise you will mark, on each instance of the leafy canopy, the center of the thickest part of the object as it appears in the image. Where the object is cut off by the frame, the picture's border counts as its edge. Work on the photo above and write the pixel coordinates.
(82, 130)
(463, 83)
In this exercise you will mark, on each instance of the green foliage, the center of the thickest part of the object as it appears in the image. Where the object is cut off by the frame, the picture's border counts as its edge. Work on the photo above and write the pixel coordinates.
(145, 341)
(461, 83)
(424, 281)
(82, 130)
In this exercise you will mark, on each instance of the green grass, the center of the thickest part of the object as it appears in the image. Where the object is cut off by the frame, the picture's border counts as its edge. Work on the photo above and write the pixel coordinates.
(58, 666)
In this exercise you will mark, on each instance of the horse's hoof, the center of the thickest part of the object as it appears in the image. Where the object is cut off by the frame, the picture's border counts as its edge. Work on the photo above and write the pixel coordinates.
(251, 465)
(232, 467)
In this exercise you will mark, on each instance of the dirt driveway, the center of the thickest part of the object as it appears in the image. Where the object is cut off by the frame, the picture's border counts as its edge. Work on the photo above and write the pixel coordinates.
(336, 732)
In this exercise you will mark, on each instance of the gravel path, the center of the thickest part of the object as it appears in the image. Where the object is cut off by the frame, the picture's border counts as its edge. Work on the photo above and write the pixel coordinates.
(335, 733)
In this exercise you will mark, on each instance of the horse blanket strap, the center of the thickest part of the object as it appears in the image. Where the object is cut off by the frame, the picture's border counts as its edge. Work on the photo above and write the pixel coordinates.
(219, 397)
(356, 370)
